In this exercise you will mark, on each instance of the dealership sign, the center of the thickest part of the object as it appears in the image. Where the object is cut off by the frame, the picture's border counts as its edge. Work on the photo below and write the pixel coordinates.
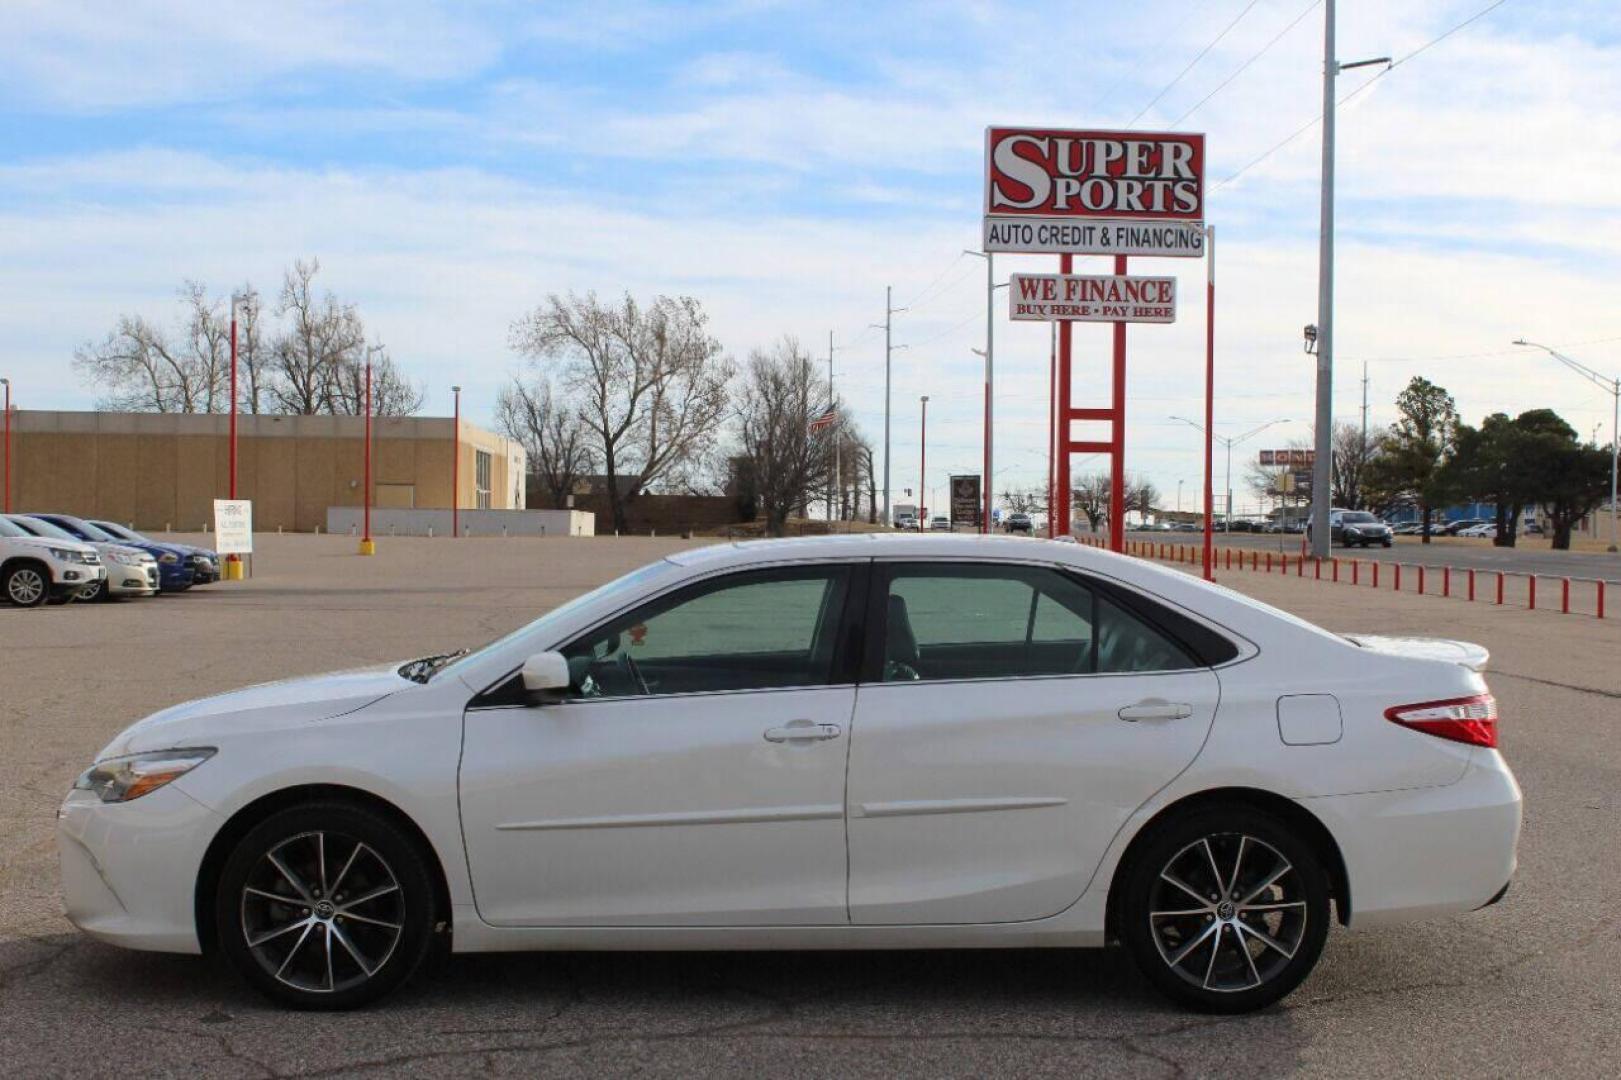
(1055, 191)
(1283, 459)
(966, 502)
(233, 526)
(1087, 298)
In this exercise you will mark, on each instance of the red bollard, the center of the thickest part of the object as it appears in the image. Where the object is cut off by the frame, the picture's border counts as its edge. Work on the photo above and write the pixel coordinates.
(1375, 565)
(1471, 586)
(1317, 568)
(1531, 590)
(1336, 569)
(1499, 588)
(1269, 562)
(1356, 571)
(1601, 600)
(1255, 560)
(1396, 580)
(1229, 559)
(1421, 580)
(1446, 581)
(1300, 565)
(1564, 596)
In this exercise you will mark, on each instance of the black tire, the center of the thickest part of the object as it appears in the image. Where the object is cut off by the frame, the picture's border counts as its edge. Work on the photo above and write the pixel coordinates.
(101, 592)
(338, 950)
(26, 583)
(1220, 956)
(1387, 543)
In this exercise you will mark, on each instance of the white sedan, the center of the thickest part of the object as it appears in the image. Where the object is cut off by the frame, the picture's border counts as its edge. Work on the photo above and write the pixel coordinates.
(869, 741)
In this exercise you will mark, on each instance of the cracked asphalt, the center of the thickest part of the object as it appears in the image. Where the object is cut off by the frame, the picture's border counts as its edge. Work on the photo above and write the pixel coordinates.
(1532, 985)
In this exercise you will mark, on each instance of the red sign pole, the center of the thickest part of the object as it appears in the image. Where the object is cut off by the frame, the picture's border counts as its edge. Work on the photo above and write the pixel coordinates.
(1066, 264)
(923, 468)
(367, 547)
(1117, 440)
(233, 562)
(1052, 432)
(8, 443)
(1209, 402)
(456, 466)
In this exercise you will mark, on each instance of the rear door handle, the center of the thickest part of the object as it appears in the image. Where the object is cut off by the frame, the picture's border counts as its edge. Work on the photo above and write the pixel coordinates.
(802, 731)
(1155, 710)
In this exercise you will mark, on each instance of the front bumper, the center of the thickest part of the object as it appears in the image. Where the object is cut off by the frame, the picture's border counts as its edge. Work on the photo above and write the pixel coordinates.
(205, 571)
(129, 870)
(175, 577)
(70, 579)
(138, 580)
(1431, 851)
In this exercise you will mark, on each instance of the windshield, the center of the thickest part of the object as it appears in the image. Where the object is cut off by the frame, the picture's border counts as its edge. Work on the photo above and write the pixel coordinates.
(44, 528)
(538, 631)
(8, 529)
(117, 532)
(1359, 517)
(91, 532)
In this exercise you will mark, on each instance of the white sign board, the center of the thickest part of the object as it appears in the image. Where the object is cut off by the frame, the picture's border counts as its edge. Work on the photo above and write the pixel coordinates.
(1061, 191)
(1058, 236)
(1088, 298)
(233, 526)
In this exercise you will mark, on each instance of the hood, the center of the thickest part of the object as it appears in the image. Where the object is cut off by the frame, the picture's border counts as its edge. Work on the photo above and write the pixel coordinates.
(1472, 656)
(52, 542)
(109, 547)
(289, 702)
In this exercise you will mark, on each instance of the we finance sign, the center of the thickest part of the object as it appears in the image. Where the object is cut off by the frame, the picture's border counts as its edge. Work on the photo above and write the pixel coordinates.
(1091, 298)
(1058, 191)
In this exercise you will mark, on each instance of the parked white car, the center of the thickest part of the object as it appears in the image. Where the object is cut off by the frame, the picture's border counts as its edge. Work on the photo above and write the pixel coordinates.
(1479, 531)
(130, 571)
(34, 570)
(861, 741)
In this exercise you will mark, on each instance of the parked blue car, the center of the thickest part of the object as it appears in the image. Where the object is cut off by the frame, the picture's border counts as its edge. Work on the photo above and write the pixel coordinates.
(176, 572)
(205, 562)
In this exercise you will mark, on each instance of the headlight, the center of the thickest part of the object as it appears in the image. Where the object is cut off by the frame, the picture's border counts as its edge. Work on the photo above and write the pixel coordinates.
(168, 558)
(63, 554)
(127, 558)
(123, 779)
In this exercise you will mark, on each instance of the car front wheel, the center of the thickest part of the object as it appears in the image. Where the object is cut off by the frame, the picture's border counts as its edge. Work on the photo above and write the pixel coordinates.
(1225, 909)
(326, 906)
(26, 585)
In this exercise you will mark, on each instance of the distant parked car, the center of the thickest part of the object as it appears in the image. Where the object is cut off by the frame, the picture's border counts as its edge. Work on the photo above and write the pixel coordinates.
(1018, 522)
(1455, 528)
(1356, 528)
(1187, 526)
(37, 569)
(1479, 531)
(939, 523)
(1533, 528)
(205, 562)
(130, 571)
(906, 522)
(175, 572)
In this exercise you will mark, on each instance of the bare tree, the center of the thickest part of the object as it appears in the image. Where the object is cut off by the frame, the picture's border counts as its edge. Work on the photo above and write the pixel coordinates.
(552, 434)
(250, 350)
(146, 369)
(392, 394)
(650, 383)
(320, 336)
(787, 461)
(1090, 495)
(1353, 450)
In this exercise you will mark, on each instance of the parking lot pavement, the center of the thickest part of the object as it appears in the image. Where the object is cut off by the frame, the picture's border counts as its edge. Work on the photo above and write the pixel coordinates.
(1527, 986)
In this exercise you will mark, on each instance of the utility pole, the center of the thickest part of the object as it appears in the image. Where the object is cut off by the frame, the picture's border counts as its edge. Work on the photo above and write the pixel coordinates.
(1322, 478)
(833, 481)
(890, 310)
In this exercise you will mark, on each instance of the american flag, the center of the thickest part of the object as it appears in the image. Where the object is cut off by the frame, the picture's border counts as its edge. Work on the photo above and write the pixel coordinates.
(826, 420)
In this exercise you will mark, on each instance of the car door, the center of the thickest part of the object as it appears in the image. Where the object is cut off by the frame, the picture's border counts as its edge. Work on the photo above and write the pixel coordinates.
(1015, 717)
(693, 775)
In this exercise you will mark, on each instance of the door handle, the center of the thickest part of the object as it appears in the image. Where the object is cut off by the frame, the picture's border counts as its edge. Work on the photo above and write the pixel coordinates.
(802, 731)
(1155, 710)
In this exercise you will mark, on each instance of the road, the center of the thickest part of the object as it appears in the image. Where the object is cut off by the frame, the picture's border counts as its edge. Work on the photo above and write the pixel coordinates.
(1459, 552)
(1528, 986)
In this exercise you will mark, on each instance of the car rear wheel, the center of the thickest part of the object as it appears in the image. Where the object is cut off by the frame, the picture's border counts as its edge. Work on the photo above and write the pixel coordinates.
(1225, 909)
(326, 906)
(26, 585)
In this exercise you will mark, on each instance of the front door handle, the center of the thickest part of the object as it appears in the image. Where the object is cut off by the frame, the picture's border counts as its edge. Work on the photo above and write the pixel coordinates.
(1155, 710)
(802, 731)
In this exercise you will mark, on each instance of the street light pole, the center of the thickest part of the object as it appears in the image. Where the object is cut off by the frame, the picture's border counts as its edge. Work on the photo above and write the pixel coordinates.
(1611, 386)
(367, 547)
(456, 466)
(7, 384)
(988, 354)
(1229, 442)
(890, 310)
(923, 463)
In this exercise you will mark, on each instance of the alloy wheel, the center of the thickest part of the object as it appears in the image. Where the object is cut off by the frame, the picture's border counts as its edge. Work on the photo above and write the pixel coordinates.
(322, 912)
(26, 586)
(1228, 913)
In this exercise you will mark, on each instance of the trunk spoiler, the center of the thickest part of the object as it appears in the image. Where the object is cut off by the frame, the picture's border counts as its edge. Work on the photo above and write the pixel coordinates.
(1472, 656)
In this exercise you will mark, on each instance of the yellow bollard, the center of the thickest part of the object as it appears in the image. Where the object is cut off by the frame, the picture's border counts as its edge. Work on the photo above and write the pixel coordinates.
(368, 547)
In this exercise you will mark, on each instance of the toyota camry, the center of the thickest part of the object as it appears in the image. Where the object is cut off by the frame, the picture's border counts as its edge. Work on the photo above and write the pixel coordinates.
(849, 742)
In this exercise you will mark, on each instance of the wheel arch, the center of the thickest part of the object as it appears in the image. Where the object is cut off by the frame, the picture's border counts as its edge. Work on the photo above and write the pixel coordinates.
(241, 822)
(1313, 831)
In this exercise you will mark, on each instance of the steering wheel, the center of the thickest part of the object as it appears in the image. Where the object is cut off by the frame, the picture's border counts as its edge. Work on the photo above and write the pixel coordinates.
(630, 668)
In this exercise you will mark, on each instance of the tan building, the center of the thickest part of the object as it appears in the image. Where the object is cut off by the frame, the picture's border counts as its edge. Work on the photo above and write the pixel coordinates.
(163, 470)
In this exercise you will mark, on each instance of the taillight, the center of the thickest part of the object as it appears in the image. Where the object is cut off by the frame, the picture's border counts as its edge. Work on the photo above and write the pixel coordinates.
(1471, 720)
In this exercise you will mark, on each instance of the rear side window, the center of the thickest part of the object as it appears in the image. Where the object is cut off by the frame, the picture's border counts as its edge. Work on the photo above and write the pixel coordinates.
(989, 621)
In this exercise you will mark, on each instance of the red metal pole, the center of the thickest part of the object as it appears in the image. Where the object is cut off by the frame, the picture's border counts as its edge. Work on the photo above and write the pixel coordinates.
(1601, 600)
(233, 398)
(1117, 442)
(1052, 434)
(1499, 588)
(366, 496)
(1446, 581)
(1066, 264)
(1531, 590)
(1356, 572)
(1564, 596)
(985, 511)
(1209, 403)
(1421, 579)
(8, 446)
(1471, 585)
(455, 466)
(1375, 564)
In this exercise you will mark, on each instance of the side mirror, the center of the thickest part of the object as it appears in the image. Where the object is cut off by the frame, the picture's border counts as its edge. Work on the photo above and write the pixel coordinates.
(545, 673)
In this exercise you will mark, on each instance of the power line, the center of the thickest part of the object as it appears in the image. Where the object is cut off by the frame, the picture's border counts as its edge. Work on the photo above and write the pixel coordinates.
(934, 282)
(1194, 62)
(1314, 121)
(1264, 49)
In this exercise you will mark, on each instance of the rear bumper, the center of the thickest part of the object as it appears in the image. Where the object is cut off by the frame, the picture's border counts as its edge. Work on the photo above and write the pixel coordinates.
(1428, 851)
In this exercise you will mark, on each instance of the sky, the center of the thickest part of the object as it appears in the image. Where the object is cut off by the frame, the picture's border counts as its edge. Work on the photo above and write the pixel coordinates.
(453, 164)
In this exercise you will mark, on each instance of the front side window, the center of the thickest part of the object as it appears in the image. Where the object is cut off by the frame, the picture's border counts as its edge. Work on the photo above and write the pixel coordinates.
(967, 621)
(760, 630)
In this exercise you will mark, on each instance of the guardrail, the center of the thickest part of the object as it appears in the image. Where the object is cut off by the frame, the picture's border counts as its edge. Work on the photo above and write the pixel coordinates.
(1420, 580)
